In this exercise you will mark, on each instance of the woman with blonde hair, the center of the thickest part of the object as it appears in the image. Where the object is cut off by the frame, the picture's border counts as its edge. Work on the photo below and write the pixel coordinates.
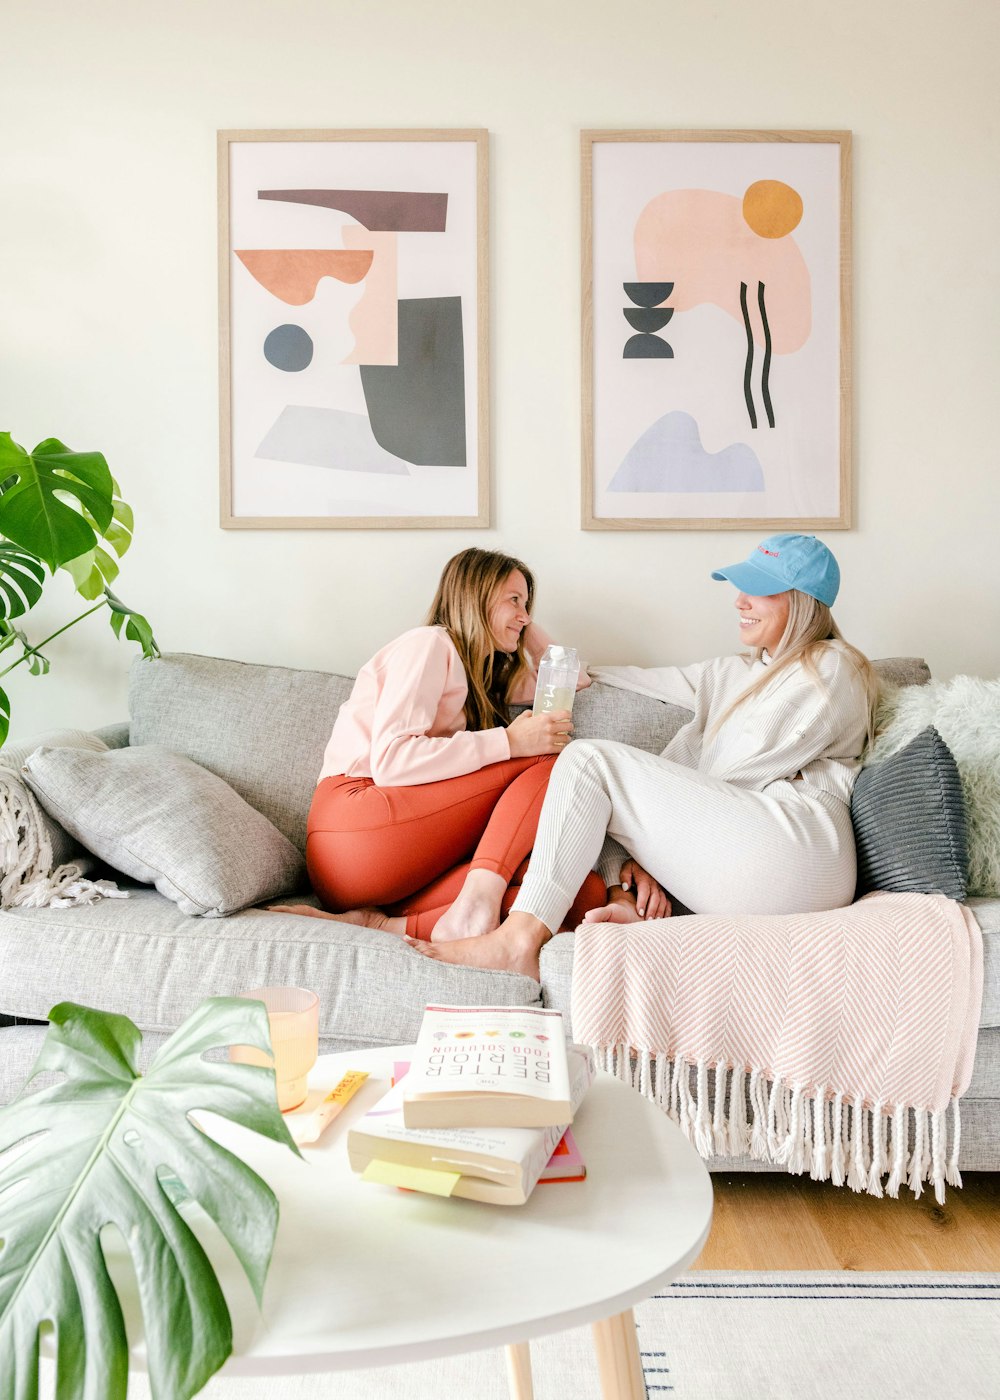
(429, 795)
(747, 809)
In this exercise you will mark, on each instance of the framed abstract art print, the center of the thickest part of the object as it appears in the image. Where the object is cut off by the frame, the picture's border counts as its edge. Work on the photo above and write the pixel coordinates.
(716, 330)
(354, 384)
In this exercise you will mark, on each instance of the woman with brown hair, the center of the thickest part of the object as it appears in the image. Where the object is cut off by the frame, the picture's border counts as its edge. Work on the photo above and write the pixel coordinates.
(429, 795)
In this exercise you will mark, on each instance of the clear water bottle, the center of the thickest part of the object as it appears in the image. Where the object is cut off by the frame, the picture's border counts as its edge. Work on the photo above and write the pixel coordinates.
(558, 672)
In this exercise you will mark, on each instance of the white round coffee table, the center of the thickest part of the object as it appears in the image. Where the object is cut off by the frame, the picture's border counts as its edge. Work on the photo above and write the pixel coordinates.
(366, 1275)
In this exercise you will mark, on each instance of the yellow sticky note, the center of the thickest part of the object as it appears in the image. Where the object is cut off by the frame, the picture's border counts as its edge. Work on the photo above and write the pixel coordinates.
(413, 1178)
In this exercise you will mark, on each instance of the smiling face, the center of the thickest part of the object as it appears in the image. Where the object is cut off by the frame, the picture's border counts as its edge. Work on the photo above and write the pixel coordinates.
(508, 614)
(762, 620)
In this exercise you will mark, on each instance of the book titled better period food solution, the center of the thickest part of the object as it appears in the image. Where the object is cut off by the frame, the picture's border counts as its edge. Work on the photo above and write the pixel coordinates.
(480, 1162)
(501, 1066)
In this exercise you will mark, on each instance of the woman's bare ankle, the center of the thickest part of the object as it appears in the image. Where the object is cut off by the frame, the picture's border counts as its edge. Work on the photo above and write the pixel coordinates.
(361, 918)
(303, 909)
(520, 925)
(373, 918)
(476, 910)
(513, 947)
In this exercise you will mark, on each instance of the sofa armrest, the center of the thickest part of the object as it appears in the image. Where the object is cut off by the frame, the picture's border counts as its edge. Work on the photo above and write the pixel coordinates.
(902, 670)
(114, 735)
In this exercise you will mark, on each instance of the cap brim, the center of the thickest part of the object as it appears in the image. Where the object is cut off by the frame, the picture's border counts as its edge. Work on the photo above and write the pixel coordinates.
(749, 579)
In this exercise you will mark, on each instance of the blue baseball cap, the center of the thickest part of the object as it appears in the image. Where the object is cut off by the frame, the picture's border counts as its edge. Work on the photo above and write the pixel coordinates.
(782, 562)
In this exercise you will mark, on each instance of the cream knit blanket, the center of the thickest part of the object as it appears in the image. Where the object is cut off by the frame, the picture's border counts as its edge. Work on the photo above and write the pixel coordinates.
(27, 877)
(835, 1042)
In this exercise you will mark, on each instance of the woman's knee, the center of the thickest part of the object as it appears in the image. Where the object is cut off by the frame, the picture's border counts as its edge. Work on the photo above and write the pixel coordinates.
(581, 753)
(592, 759)
(323, 866)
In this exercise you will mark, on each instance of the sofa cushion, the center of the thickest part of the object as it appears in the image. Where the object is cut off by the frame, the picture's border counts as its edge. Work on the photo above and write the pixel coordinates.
(909, 821)
(264, 728)
(261, 728)
(606, 712)
(895, 671)
(162, 819)
(114, 735)
(144, 958)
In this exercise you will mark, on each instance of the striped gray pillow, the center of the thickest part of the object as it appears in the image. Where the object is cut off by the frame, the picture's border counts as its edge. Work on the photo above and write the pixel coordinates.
(909, 821)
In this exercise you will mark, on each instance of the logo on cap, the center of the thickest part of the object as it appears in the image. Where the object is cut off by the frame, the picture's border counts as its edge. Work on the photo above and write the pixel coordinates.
(772, 552)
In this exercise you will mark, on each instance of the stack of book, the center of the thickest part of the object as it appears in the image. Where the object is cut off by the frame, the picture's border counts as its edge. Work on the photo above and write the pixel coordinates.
(483, 1111)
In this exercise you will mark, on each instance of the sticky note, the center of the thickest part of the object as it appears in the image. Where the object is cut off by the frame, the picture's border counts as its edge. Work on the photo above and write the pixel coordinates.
(413, 1178)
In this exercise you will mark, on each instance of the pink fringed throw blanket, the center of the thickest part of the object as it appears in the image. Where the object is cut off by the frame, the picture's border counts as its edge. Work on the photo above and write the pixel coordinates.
(836, 1042)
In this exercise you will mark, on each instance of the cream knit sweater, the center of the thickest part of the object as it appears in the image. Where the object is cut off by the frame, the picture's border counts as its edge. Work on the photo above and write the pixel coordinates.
(796, 724)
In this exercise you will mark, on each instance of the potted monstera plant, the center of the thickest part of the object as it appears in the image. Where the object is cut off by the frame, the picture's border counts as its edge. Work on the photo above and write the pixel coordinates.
(59, 509)
(108, 1146)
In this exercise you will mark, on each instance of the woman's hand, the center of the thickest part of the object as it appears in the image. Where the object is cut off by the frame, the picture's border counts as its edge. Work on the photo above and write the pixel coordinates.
(651, 900)
(529, 734)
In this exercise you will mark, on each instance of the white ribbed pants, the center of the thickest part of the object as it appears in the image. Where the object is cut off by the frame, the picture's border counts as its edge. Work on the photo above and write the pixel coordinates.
(718, 848)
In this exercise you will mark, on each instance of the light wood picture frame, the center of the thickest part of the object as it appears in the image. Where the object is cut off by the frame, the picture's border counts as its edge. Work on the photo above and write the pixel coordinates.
(716, 330)
(353, 329)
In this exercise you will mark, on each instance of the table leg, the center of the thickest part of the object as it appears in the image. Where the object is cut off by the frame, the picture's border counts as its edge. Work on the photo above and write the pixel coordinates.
(519, 1371)
(618, 1360)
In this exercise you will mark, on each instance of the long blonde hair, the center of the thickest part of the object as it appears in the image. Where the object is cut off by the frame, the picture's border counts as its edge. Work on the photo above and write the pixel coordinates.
(467, 591)
(808, 631)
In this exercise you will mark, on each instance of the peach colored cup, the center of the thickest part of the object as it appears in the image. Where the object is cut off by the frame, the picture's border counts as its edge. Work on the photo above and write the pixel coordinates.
(293, 1015)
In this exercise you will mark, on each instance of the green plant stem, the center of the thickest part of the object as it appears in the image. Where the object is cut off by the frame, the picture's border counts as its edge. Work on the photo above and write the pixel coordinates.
(30, 651)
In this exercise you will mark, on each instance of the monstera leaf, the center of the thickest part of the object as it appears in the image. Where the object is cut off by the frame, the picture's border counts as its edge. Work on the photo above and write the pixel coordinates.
(21, 580)
(108, 1146)
(93, 571)
(33, 509)
(137, 629)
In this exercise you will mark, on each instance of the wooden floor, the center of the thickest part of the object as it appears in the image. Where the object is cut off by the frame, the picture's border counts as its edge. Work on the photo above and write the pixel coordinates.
(769, 1220)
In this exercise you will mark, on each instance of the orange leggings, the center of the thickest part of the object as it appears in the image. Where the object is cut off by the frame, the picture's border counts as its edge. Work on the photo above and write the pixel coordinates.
(408, 849)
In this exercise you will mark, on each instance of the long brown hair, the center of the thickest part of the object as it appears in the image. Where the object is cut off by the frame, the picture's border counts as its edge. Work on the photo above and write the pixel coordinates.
(467, 591)
(808, 631)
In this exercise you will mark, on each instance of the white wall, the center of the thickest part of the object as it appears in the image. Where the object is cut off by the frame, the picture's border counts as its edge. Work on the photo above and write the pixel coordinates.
(108, 303)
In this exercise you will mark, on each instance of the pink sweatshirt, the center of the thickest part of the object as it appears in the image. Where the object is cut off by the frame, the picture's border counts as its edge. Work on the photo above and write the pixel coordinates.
(404, 722)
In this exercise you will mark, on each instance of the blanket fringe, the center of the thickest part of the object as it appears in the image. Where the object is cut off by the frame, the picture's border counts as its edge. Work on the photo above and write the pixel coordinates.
(758, 1120)
(952, 1175)
(824, 1133)
(27, 880)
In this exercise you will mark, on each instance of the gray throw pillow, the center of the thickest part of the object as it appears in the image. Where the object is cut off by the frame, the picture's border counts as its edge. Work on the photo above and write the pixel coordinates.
(162, 819)
(909, 821)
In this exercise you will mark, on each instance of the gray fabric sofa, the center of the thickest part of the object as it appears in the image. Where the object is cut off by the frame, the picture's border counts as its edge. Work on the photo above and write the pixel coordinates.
(263, 729)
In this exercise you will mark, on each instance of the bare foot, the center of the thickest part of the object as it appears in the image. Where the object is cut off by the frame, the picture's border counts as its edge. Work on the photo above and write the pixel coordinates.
(621, 909)
(614, 913)
(366, 918)
(476, 910)
(374, 918)
(305, 909)
(513, 947)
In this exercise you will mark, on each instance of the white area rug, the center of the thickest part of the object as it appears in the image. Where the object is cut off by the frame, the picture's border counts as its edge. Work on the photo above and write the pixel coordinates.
(729, 1336)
